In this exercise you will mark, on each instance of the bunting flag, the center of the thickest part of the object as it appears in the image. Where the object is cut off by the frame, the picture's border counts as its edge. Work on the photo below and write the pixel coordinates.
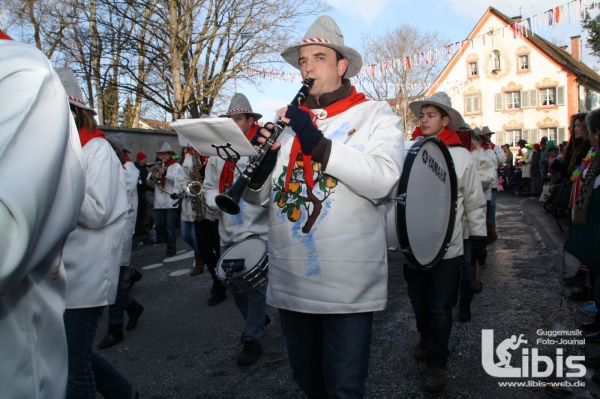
(570, 12)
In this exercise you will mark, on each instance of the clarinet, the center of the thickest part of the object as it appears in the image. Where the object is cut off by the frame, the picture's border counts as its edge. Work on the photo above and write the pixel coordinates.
(229, 201)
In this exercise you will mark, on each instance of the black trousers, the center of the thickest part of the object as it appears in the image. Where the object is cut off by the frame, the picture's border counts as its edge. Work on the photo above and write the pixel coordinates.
(209, 246)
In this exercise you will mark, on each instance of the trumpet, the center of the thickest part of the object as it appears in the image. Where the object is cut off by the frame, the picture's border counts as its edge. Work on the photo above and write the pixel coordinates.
(229, 201)
(157, 177)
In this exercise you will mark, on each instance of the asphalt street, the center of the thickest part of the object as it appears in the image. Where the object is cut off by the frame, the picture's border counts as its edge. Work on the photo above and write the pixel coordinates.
(182, 348)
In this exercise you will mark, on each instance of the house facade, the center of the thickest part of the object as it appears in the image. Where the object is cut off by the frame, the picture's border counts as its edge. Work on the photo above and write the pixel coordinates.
(517, 83)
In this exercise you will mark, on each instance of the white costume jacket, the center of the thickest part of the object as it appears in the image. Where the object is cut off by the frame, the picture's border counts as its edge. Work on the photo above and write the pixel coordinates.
(471, 201)
(40, 197)
(173, 179)
(92, 253)
(327, 246)
(252, 219)
(132, 175)
(485, 161)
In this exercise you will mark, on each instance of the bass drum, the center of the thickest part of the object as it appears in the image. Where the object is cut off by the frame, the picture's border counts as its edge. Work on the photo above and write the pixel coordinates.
(420, 218)
(244, 266)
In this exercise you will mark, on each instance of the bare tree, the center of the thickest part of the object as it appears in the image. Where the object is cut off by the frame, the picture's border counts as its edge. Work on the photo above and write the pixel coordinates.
(175, 55)
(400, 66)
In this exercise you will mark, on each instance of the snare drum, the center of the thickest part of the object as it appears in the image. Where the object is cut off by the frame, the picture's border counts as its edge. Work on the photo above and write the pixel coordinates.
(420, 218)
(244, 266)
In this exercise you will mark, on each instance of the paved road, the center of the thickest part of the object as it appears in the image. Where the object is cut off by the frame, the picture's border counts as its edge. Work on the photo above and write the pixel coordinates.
(182, 348)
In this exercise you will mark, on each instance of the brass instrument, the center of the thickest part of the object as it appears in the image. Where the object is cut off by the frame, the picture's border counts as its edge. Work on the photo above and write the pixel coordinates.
(194, 188)
(154, 175)
(229, 201)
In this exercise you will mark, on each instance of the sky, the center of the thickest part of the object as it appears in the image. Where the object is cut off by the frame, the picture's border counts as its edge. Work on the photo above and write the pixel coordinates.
(453, 19)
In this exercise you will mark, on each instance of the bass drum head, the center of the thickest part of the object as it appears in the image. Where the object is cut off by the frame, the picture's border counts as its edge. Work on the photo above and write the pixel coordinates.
(252, 250)
(427, 212)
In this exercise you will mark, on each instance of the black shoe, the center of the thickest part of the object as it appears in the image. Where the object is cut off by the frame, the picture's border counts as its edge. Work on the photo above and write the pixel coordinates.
(134, 277)
(267, 320)
(216, 299)
(113, 336)
(435, 380)
(592, 338)
(134, 311)
(170, 254)
(250, 354)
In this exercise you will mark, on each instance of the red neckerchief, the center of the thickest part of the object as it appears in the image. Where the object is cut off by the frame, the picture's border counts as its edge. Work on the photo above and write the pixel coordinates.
(449, 137)
(4, 35)
(417, 133)
(334, 109)
(85, 135)
(169, 163)
(127, 159)
(226, 179)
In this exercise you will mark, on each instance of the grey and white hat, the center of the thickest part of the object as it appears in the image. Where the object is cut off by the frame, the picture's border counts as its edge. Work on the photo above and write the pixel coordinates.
(240, 105)
(478, 131)
(486, 130)
(165, 147)
(71, 85)
(442, 100)
(325, 32)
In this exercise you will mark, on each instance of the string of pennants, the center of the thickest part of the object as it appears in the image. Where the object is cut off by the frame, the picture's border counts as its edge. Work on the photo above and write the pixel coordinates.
(568, 13)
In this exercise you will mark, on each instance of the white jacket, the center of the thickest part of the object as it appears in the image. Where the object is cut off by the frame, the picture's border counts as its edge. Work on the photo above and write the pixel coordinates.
(471, 201)
(252, 219)
(340, 264)
(132, 175)
(41, 170)
(173, 179)
(92, 253)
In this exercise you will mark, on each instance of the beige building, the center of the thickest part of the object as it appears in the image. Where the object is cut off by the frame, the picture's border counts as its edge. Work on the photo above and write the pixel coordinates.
(516, 82)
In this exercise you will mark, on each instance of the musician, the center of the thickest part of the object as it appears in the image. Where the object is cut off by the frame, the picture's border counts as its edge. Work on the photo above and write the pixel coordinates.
(124, 302)
(92, 253)
(191, 208)
(485, 162)
(38, 209)
(252, 220)
(433, 292)
(140, 163)
(500, 158)
(339, 158)
(166, 178)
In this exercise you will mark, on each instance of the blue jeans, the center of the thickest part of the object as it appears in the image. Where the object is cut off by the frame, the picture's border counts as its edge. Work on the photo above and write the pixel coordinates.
(491, 207)
(328, 353)
(432, 294)
(253, 307)
(116, 311)
(188, 234)
(88, 371)
(166, 225)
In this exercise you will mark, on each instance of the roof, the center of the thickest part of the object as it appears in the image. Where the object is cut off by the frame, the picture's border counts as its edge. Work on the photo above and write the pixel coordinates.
(155, 125)
(583, 73)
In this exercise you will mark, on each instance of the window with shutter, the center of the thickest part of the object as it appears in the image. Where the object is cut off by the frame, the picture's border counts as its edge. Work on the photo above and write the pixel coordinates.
(560, 95)
(533, 98)
(562, 135)
(498, 101)
(525, 99)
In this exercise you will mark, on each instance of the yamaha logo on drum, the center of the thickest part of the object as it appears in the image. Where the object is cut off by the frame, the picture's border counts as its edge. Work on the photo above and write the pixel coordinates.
(434, 167)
